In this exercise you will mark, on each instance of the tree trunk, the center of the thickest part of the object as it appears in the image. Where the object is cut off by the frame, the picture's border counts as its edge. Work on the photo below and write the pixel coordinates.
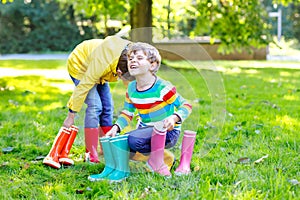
(141, 21)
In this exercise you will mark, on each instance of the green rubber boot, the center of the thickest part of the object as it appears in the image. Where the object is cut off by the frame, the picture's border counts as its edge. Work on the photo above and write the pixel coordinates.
(120, 151)
(109, 161)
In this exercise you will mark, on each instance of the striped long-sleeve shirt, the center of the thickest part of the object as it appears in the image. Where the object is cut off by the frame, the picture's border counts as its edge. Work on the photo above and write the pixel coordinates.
(154, 104)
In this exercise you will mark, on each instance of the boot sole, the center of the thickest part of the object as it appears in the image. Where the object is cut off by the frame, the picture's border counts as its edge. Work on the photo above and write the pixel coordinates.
(66, 161)
(151, 169)
(52, 164)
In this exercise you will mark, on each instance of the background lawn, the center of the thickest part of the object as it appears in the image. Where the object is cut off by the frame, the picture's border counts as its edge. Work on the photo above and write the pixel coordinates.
(246, 114)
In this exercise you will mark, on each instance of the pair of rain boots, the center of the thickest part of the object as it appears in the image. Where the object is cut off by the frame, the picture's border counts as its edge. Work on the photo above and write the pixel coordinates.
(61, 147)
(156, 160)
(116, 156)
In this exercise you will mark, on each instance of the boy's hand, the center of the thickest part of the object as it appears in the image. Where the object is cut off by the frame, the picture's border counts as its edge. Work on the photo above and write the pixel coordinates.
(69, 121)
(169, 123)
(124, 80)
(113, 131)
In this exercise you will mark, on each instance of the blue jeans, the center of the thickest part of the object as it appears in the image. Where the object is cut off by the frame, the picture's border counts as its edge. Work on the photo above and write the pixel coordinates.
(139, 140)
(99, 103)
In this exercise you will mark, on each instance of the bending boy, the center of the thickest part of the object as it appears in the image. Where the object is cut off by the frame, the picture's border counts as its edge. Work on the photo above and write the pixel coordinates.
(91, 65)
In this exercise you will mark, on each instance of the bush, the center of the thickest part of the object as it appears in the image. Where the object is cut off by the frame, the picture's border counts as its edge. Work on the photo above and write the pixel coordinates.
(37, 26)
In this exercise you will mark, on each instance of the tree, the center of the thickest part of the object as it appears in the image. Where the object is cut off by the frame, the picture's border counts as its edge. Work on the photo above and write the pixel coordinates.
(141, 16)
(237, 24)
(295, 18)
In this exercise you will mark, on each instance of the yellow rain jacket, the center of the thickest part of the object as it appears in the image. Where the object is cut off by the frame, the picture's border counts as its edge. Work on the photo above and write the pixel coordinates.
(93, 62)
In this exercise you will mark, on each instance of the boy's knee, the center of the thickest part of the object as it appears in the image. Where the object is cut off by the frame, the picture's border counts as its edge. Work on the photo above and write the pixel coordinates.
(132, 143)
(171, 143)
(172, 139)
(137, 144)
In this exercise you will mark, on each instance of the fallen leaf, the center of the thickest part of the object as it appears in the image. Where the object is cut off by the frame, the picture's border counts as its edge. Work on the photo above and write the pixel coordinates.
(294, 181)
(196, 168)
(237, 183)
(79, 191)
(15, 103)
(39, 157)
(7, 149)
(257, 131)
(230, 114)
(261, 159)
(4, 164)
(237, 128)
(147, 191)
(244, 160)
(27, 92)
(26, 166)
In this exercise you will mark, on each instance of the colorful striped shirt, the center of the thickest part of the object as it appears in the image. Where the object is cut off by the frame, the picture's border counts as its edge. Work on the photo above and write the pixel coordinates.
(154, 104)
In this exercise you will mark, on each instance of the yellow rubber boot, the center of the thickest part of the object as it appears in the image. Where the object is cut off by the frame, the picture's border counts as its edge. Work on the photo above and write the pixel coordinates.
(169, 158)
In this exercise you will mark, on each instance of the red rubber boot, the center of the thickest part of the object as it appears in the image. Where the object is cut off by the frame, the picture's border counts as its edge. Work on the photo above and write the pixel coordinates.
(91, 144)
(52, 159)
(63, 158)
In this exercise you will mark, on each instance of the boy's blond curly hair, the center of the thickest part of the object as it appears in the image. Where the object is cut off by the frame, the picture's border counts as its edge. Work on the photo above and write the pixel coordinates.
(150, 51)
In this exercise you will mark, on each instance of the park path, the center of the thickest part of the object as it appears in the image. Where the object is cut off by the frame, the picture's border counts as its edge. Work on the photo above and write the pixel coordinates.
(48, 73)
(34, 57)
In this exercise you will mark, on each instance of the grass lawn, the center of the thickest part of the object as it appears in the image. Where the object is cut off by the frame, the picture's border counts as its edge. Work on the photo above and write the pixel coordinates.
(246, 114)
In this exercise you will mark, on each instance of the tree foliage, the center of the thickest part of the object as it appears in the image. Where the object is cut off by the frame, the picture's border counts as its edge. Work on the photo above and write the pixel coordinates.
(237, 24)
(176, 18)
(101, 12)
(36, 26)
(295, 18)
(57, 25)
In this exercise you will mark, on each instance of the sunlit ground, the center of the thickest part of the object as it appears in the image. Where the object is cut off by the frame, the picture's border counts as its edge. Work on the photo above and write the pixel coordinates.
(59, 74)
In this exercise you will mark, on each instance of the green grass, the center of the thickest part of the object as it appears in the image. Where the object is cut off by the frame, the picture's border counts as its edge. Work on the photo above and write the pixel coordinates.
(243, 111)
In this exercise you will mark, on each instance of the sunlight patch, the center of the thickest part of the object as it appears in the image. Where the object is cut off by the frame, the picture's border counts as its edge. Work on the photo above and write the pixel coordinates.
(286, 74)
(286, 120)
(63, 86)
(290, 97)
(52, 106)
(251, 71)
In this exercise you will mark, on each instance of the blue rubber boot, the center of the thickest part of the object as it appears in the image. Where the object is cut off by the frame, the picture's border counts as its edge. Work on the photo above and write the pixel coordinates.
(120, 151)
(110, 164)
